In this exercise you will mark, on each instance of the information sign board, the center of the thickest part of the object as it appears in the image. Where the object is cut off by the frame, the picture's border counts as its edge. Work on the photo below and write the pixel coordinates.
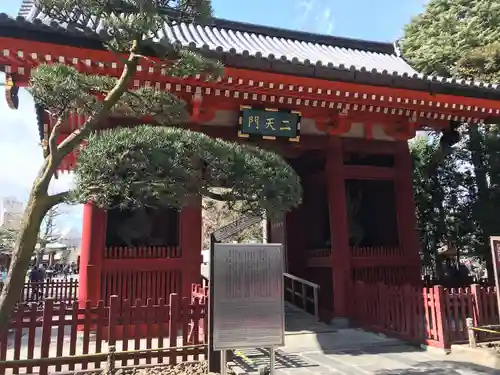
(248, 296)
(495, 255)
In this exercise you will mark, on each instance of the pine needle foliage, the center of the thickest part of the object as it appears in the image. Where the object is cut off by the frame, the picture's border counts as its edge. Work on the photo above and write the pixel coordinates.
(151, 166)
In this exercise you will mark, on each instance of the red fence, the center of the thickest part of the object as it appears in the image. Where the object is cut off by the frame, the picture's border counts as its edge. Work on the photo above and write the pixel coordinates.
(59, 290)
(143, 272)
(142, 252)
(434, 316)
(64, 337)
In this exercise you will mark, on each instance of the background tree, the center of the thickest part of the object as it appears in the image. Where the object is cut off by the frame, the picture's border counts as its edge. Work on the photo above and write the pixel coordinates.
(49, 233)
(7, 239)
(131, 29)
(216, 215)
(441, 193)
(459, 38)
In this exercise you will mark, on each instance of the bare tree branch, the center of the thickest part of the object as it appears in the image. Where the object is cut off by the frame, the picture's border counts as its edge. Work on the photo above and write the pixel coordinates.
(59, 197)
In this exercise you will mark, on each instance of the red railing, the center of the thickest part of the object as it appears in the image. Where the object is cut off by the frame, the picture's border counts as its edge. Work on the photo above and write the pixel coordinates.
(434, 316)
(142, 252)
(58, 290)
(361, 252)
(133, 284)
(66, 337)
(319, 253)
(395, 275)
(376, 251)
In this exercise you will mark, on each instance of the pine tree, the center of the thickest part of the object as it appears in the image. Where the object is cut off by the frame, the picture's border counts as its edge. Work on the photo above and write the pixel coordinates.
(161, 165)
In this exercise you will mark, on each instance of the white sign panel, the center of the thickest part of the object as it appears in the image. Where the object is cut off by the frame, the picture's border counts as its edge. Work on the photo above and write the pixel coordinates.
(248, 296)
(495, 255)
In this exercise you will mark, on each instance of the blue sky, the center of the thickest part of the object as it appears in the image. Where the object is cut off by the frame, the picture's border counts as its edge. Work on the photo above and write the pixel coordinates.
(381, 20)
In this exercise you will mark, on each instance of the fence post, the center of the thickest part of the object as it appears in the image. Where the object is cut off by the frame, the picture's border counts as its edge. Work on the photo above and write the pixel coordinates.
(173, 325)
(440, 306)
(110, 361)
(358, 312)
(46, 333)
(409, 311)
(113, 315)
(477, 304)
(470, 332)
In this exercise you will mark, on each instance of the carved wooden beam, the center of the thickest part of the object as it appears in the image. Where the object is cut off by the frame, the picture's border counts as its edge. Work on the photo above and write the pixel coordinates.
(11, 92)
(402, 130)
(335, 126)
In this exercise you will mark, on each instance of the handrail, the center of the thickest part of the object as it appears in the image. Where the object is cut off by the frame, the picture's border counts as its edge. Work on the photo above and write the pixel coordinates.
(301, 280)
(302, 294)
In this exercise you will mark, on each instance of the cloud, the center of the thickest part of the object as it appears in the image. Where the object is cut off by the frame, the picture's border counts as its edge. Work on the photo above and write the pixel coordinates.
(21, 155)
(316, 16)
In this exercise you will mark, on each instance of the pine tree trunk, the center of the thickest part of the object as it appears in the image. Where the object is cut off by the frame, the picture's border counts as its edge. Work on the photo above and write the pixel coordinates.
(21, 257)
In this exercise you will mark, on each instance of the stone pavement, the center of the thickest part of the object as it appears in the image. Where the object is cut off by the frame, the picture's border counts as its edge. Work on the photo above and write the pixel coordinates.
(313, 348)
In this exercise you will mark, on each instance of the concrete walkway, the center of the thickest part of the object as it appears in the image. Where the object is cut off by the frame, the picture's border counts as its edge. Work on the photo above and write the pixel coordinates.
(316, 348)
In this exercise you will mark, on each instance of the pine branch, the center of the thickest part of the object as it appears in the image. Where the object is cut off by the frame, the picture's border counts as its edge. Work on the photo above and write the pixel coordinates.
(54, 135)
(77, 136)
(59, 197)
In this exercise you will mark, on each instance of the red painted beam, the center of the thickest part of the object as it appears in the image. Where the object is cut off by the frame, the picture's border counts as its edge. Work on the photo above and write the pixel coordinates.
(421, 99)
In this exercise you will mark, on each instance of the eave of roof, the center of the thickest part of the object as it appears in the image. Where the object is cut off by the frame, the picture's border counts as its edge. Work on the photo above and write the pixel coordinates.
(260, 48)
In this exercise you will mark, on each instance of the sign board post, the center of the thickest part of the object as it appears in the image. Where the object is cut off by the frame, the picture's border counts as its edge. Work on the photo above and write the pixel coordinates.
(495, 256)
(214, 359)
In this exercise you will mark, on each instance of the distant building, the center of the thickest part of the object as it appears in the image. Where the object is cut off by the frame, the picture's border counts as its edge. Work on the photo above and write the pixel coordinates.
(11, 212)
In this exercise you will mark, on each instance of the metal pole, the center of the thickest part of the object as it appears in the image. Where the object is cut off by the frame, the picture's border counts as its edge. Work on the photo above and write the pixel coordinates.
(223, 359)
(263, 223)
(214, 357)
(272, 360)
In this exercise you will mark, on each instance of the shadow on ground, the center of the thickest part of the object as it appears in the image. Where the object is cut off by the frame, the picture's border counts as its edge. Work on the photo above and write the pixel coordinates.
(250, 360)
(442, 368)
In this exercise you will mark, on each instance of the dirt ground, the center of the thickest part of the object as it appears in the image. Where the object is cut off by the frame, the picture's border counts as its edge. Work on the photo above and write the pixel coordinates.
(186, 368)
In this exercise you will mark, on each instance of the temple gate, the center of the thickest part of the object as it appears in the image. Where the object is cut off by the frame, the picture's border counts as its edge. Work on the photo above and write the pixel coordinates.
(359, 103)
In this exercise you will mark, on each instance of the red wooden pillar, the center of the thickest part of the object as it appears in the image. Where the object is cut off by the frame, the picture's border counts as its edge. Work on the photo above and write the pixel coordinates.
(341, 257)
(91, 253)
(407, 221)
(190, 243)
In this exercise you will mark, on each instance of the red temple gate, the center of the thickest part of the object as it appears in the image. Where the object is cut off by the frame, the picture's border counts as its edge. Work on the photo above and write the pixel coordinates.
(359, 101)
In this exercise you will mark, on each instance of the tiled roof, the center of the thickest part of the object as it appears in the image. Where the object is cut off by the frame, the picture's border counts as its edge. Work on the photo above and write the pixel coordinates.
(26, 7)
(272, 43)
(290, 52)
